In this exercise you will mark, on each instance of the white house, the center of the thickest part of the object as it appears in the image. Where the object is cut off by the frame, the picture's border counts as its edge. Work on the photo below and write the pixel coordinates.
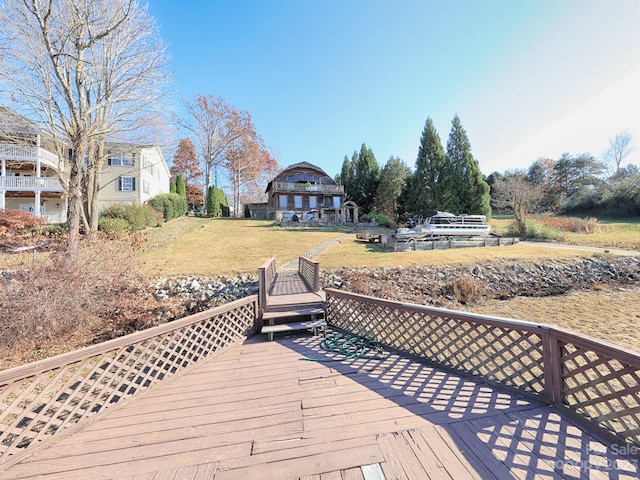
(30, 171)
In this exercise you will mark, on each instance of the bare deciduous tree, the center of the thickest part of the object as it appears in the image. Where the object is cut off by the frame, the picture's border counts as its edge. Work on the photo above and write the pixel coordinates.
(246, 163)
(88, 70)
(522, 197)
(217, 127)
(619, 149)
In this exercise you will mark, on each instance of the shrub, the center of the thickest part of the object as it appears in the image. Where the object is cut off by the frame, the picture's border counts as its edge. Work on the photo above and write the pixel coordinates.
(378, 219)
(17, 222)
(534, 229)
(98, 297)
(57, 231)
(171, 205)
(465, 289)
(180, 205)
(113, 227)
(570, 224)
(138, 217)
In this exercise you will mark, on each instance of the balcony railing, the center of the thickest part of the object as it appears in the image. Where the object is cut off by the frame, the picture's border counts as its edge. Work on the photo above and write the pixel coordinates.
(32, 184)
(25, 153)
(308, 187)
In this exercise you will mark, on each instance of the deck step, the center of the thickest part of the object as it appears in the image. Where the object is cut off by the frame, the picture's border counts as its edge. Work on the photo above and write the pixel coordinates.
(312, 325)
(292, 312)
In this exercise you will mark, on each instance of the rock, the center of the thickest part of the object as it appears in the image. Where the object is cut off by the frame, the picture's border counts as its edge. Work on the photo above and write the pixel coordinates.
(502, 280)
(199, 294)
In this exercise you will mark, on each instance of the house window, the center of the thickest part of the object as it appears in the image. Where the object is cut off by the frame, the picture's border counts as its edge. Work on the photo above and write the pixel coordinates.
(313, 202)
(127, 184)
(120, 159)
(297, 200)
(336, 202)
(145, 186)
(283, 201)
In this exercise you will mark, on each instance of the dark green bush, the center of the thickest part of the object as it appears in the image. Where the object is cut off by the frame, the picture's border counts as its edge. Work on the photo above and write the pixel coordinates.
(171, 205)
(378, 219)
(138, 217)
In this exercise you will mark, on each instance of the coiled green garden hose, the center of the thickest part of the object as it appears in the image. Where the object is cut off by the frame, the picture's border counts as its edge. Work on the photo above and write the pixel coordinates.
(349, 346)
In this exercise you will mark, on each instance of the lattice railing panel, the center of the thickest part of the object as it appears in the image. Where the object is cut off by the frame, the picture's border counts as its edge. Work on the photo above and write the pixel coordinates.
(605, 390)
(40, 400)
(510, 353)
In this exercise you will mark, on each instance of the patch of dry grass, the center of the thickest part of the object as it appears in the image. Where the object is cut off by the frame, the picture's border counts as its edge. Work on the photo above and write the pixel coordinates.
(354, 254)
(203, 246)
(612, 233)
(608, 313)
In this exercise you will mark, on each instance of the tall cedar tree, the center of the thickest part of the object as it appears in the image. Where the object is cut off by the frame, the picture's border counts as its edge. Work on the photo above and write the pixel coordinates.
(365, 180)
(181, 188)
(217, 203)
(431, 183)
(469, 192)
(392, 180)
(347, 175)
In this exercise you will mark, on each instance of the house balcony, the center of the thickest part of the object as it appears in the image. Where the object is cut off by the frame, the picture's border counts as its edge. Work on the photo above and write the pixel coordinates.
(32, 184)
(23, 153)
(308, 187)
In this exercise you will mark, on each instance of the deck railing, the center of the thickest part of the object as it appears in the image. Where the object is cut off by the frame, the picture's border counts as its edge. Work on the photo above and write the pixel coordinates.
(30, 154)
(307, 187)
(47, 398)
(596, 383)
(266, 274)
(310, 272)
(44, 184)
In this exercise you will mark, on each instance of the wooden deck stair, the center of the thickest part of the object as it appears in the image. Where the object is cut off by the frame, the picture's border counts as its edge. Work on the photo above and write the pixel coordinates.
(291, 300)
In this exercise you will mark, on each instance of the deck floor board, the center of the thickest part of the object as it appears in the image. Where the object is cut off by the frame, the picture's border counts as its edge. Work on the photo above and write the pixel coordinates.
(258, 411)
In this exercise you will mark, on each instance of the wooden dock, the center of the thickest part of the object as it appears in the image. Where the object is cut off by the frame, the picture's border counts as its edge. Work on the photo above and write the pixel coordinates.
(291, 299)
(263, 410)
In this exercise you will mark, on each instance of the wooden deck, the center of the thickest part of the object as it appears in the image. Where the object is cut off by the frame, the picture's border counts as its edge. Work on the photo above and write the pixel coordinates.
(259, 411)
(291, 295)
(289, 288)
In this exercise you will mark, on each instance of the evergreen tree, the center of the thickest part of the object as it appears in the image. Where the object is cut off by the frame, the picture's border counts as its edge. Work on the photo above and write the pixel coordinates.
(464, 187)
(217, 203)
(428, 186)
(172, 186)
(366, 179)
(347, 175)
(392, 180)
(181, 188)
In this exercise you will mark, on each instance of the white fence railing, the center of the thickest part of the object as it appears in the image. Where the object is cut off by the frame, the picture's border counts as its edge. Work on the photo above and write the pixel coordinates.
(308, 187)
(30, 154)
(43, 184)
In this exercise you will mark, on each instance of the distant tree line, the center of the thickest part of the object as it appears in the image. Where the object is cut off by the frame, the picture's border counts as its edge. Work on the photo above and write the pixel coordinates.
(450, 180)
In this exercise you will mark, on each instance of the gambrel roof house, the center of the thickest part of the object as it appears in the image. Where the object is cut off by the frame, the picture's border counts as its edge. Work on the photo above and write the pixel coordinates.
(305, 193)
(30, 171)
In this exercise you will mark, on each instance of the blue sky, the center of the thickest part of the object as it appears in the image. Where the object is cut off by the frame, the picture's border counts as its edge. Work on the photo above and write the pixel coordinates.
(320, 77)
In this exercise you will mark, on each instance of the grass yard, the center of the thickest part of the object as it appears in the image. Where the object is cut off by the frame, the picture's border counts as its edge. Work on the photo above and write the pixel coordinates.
(613, 233)
(202, 246)
(356, 254)
(210, 247)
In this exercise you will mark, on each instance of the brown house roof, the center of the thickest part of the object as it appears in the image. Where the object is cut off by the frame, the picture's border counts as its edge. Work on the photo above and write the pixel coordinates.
(298, 166)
